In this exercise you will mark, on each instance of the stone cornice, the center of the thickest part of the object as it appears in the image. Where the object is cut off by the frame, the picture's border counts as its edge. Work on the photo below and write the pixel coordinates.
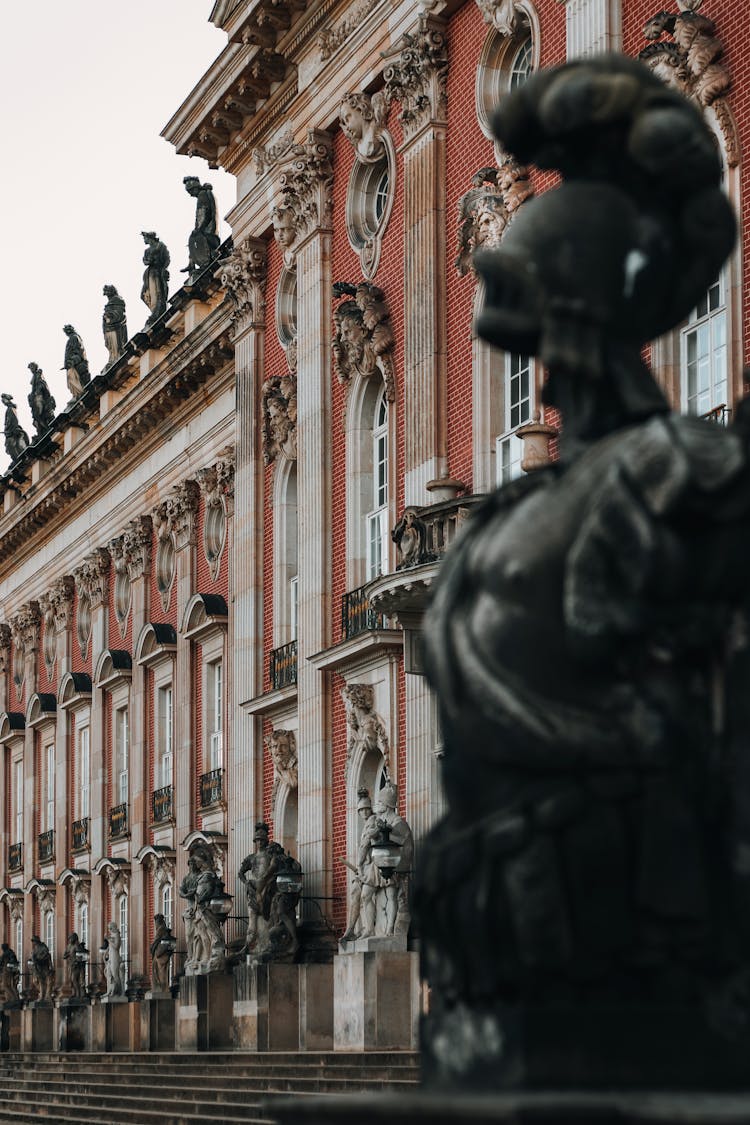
(73, 479)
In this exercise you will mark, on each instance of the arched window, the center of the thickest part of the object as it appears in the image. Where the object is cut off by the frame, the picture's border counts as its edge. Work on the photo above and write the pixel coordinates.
(518, 403)
(505, 63)
(377, 517)
(704, 355)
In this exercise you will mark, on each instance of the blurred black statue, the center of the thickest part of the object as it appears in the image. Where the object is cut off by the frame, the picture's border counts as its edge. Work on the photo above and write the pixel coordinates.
(40, 400)
(155, 289)
(75, 362)
(204, 241)
(16, 438)
(114, 324)
(584, 905)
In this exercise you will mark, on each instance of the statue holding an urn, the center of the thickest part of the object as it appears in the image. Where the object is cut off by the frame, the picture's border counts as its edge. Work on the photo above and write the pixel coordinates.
(584, 905)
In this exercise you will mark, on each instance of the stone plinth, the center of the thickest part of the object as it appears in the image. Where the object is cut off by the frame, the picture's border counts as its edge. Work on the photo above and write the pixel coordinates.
(375, 1001)
(10, 1026)
(204, 1013)
(316, 1007)
(394, 943)
(37, 1026)
(158, 1022)
(72, 1025)
(116, 1022)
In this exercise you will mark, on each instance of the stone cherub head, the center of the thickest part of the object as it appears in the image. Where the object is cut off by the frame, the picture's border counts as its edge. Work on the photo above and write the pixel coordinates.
(362, 121)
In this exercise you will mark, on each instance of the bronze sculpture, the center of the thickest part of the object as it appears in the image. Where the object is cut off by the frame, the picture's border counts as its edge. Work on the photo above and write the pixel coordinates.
(75, 362)
(155, 289)
(114, 324)
(583, 905)
(40, 400)
(204, 241)
(16, 438)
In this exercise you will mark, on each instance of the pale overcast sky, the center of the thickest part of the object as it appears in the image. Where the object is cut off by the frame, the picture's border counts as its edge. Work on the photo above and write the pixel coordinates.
(87, 87)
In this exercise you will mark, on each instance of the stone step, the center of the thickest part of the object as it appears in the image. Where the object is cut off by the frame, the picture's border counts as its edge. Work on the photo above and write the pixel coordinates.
(213, 1058)
(219, 1075)
(110, 1102)
(98, 1086)
(54, 1113)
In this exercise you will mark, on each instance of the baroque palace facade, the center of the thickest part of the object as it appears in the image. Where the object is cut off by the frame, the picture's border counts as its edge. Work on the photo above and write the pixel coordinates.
(215, 561)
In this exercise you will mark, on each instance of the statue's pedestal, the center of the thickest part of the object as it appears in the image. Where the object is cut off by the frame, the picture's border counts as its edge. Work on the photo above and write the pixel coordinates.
(73, 1024)
(158, 1022)
(37, 1026)
(376, 1001)
(283, 1007)
(395, 943)
(204, 1013)
(117, 1023)
(10, 1026)
(316, 1007)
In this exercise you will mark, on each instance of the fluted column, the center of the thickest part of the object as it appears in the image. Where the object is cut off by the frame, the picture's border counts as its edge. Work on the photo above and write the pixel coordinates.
(415, 76)
(244, 276)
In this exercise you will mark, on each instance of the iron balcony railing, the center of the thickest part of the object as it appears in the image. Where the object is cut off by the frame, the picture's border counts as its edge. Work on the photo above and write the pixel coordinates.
(80, 834)
(15, 857)
(357, 616)
(46, 845)
(118, 821)
(282, 666)
(161, 804)
(720, 414)
(211, 787)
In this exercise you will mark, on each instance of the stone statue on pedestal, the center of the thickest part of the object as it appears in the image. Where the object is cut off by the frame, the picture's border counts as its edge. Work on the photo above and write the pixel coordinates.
(379, 902)
(204, 241)
(75, 363)
(203, 888)
(273, 881)
(155, 289)
(42, 969)
(114, 324)
(75, 957)
(161, 950)
(40, 400)
(583, 905)
(114, 968)
(16, 438)
(10, 971)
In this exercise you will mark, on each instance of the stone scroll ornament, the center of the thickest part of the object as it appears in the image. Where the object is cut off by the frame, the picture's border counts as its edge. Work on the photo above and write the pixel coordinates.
(583, 904)
(363, 339)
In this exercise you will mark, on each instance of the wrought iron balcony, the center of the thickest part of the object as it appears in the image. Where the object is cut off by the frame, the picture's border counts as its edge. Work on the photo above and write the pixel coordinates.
(211, 788)
(46, 845)
(357, 615)
(118, 821)
(15, 857)
(282, 666)
(80, 834)
(720, 414)
(161, 804)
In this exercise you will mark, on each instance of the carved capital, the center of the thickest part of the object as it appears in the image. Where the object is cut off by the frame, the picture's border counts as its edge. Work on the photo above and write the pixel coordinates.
(5, 638)
(91, 577)
(25, 628)
(119, 881)
(305, 194)
(81, 890)
(362, 120)
(46, 898)
(60, 599)
(243, 274)
(363, 338)
(416, 77)
(163, 869)
(136, 547)
(175, 517)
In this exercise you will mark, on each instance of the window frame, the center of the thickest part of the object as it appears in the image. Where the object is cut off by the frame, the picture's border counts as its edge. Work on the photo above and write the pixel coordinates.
(518, 411)
(693, 327)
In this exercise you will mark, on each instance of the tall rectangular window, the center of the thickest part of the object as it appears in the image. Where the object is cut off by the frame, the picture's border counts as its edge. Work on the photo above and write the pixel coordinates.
(215, 709)
(123, 923)
(84, 773)
(519, 402)
(19, 800)
(377, 518)
(703, 347)
(293, 608)
(166, 735)
(122, 751)
(49, 771)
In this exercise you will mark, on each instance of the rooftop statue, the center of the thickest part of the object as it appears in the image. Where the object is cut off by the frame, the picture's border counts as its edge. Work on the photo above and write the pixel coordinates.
(155, 289)
(16, 438)
(204, 241)
(583, 905)
(75, 362)
(114, 324)
(40, 400)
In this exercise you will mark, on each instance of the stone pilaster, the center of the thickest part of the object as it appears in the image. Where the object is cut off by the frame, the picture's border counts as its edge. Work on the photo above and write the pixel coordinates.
(310, 186)
(5, 778)
(245, 764)
(415, 76)
(91, 580)
(25, 631)
(57, 608)
(592, 26)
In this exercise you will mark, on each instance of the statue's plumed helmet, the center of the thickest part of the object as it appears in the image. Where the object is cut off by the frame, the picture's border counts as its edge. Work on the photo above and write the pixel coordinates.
(388, 796)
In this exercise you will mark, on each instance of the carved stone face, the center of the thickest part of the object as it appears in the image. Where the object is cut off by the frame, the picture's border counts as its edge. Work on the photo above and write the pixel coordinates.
(352, 122)
(353, 338)
(491, 221)
(283, 226)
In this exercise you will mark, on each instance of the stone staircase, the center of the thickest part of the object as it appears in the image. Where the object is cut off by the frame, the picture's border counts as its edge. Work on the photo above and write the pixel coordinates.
(167, 1088)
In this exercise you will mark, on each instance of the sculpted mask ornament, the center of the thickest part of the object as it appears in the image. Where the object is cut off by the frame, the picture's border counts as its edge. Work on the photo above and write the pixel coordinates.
(305, 192)
(282, 747)
(689, 62)
(363, 340)
(279, 397)
(487, 208)
(365, 729)
(501, 14)
(362, 121)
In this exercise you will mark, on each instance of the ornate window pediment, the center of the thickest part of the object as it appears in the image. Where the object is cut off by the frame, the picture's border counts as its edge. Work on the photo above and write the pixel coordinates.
(157, 642)
(113, 668)
(205, 614)
(42, 709)
(75, 690)
(12, 725)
